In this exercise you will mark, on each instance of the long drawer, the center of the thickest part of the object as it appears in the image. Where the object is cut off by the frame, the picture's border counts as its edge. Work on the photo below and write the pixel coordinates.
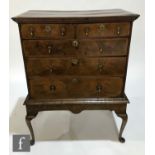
(74, 87)
(57, 31)
(111, 66)
(85, 47)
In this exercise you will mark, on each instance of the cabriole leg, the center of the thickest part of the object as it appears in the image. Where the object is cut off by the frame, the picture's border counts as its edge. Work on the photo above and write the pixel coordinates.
(124, 118)
(28, 119)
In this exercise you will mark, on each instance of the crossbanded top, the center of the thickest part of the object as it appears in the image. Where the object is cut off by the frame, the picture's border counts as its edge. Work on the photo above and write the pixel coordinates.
(75, 15)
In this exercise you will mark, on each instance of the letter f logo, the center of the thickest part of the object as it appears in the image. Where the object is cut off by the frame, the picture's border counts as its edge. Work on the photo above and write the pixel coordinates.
(20, 143)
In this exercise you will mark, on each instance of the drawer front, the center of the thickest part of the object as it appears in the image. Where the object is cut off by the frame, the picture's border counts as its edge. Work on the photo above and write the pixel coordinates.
(39, 31)
(72, 87)
(111, 66)
(98, 47)
(103, 30)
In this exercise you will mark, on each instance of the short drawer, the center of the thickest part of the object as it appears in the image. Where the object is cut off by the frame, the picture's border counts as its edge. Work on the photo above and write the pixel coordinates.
(73, 87)
(97, 47)
(41, 31)
(110, 66)
(103, 30)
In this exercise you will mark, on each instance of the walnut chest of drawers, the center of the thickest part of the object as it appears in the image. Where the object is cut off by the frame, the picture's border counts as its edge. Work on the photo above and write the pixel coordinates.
(76, 60)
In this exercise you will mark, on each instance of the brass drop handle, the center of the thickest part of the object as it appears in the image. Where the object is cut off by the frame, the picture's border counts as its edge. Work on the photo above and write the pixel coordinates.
(52, 88)
(99, 88)
(63, 31)
(32, 32)
(100, 67)
(75, 43)
(86, 31)
(118, 30)
(75, 62)
(101, 50)
(49, 49)
(51, 69)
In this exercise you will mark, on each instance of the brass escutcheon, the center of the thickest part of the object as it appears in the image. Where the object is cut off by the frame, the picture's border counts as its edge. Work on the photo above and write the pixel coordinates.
(75, 80)
(75, 61)
(75, 43)
(102, 27)
(48, 28)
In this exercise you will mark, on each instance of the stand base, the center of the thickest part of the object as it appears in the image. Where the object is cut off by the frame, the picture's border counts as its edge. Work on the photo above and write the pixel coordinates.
(118, 105)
